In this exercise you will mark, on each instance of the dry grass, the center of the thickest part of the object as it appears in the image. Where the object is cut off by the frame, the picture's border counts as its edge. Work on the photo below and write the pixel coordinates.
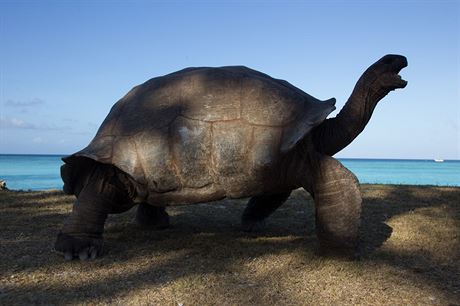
(411, 255)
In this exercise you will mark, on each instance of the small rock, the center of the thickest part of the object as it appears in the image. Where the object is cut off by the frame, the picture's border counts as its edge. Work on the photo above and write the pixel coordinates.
(3, 185)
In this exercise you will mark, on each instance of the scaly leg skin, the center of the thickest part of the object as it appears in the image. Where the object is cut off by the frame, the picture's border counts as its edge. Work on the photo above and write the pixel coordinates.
(338, 208)
(81, 236)
(152, 217)
(259, 208)
(103, 193)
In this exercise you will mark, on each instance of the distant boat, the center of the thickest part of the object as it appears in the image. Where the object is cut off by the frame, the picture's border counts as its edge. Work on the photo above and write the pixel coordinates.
(439, 160)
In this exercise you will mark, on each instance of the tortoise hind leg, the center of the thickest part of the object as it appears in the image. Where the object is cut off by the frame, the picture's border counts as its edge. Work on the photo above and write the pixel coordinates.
(259, 208)
(152, 217)
(338, 206)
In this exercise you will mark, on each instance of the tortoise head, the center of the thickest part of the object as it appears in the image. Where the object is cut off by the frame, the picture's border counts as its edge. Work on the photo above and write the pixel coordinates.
(387, 68)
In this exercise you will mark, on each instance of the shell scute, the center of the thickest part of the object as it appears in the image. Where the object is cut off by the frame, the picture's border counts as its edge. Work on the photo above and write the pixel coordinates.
(212, 95)
(191, 140)
(268, 103)
(156, 160)
(230, 146)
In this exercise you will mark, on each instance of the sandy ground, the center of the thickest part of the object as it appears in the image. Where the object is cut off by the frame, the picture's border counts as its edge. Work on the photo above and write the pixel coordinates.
(410, 255)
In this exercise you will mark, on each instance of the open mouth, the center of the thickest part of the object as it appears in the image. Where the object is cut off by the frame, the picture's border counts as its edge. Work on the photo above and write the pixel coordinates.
(400, 63)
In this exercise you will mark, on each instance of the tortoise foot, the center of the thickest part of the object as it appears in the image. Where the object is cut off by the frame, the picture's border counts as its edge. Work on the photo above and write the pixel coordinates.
(253, 226)
(82, 248)
(259, 208)
(151, 217)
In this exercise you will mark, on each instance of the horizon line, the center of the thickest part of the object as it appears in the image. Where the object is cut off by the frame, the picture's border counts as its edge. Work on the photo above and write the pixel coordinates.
(368, 158)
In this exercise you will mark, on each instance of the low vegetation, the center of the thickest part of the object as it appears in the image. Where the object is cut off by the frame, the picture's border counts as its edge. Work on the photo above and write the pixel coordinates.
(410, 254)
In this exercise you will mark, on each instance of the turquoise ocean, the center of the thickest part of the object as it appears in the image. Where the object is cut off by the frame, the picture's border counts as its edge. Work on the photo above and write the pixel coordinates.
(41, 172)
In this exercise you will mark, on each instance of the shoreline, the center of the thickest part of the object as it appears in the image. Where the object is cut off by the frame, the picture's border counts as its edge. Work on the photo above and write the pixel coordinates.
(40, 172)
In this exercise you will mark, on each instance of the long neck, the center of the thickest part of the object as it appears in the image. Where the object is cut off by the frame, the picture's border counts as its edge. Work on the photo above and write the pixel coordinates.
(336, 133)
(376, 82)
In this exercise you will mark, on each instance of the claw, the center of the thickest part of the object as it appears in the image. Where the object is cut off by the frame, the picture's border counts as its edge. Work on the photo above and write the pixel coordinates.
(83, 255)
(80, 248)
(68, 256)
(92, 252)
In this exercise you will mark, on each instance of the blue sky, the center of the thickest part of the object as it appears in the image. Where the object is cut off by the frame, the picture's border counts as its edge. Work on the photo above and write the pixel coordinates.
(64, 63)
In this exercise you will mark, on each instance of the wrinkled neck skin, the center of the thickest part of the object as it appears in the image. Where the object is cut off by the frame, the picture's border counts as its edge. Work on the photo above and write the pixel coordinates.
(363, 100)
(377, 81)
(334, 134)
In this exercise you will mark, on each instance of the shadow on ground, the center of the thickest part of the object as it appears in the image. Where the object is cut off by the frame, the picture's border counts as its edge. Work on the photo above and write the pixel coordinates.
(409, 249)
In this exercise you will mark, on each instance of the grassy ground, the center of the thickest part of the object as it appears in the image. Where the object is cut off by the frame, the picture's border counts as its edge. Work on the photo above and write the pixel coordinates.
(411, 255)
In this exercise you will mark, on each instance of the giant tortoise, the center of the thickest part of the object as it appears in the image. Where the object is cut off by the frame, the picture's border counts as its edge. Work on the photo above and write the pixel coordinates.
(204, 134)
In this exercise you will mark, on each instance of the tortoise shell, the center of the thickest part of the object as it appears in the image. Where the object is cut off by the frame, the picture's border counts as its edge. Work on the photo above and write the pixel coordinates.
(202, 128)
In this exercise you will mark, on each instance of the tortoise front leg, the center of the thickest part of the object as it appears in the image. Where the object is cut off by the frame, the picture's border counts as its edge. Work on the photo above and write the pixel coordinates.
(81, 235)
(152, 217)
(103, 193)
(259, 208)
(338, 207)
